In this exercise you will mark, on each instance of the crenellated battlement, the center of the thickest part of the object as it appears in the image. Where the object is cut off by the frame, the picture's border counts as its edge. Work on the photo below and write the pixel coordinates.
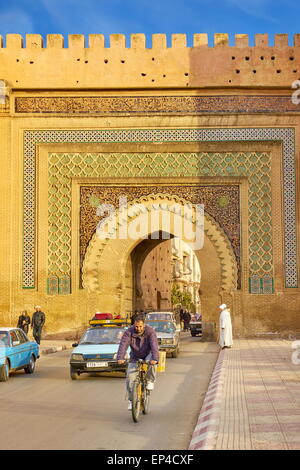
(95, 62)
(159, 41)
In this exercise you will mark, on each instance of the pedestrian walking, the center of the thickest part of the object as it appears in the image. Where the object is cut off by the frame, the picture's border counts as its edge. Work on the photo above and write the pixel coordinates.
(225, 334)
(181, 317)
(37, 323)
(24, 321)
(186, 320)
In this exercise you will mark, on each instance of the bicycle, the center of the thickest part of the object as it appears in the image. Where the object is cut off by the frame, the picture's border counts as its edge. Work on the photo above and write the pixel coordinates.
(140, 394)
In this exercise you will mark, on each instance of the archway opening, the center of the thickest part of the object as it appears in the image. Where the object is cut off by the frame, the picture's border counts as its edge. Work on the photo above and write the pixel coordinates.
(166, 275)
(109, 262)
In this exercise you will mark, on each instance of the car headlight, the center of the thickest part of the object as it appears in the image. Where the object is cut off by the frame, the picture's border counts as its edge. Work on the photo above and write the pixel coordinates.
(126, 356)
(77, 357)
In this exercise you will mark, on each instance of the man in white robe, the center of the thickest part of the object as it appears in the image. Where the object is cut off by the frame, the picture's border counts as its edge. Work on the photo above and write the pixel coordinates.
(225, 339)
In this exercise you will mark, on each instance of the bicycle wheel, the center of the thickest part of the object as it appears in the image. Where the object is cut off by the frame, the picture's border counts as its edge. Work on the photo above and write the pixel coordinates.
(146, 401)
(136, 401)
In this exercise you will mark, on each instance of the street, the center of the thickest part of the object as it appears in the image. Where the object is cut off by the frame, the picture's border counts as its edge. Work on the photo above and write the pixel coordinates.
(47, 410)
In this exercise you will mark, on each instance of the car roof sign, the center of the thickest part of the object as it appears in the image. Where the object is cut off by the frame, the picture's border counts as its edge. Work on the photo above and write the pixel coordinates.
(110, 323)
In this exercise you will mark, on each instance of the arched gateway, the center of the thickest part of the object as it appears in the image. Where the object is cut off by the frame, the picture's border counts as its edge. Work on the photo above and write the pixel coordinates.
(144, 121)
(107, 267)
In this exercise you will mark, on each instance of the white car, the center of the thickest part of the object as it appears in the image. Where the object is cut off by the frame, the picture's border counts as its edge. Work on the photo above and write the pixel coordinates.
(166, 316)
(163, 316)
(167, 335)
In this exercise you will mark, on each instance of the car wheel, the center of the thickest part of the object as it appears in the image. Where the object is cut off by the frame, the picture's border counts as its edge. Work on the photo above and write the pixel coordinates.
(4, 372)
(29, 369)
(73, 373)
(193, 333)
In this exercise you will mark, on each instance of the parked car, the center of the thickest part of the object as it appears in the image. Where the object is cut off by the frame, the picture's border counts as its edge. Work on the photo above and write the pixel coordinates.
(98, 347)
(167, 335)
(16, 352)
(196, 325)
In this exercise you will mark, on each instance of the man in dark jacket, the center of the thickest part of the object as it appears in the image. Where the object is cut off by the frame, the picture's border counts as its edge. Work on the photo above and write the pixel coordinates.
(143, 344)
(37, 323)
(186, 320)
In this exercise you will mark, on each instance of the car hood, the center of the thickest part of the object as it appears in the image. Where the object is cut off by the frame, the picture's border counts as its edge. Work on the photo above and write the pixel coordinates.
(4, 350)
(96, 349)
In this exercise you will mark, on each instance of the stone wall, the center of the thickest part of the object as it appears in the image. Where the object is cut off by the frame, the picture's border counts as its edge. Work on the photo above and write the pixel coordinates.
(78, 63)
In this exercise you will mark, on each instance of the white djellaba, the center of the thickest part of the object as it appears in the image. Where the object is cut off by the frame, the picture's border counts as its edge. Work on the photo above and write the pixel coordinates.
(225, 339)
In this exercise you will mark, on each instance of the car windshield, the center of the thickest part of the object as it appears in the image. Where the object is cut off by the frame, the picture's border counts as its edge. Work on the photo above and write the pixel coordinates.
(159, 316)
(162, 326)
(102, 336)
(4, 338)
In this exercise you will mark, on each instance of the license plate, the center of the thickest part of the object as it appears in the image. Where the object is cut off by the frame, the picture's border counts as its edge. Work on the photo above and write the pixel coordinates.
(97, 364)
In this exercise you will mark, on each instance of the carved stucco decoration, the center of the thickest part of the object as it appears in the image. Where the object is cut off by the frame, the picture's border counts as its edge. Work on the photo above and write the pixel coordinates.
(116, 105)
(221, 202)
(92, 264)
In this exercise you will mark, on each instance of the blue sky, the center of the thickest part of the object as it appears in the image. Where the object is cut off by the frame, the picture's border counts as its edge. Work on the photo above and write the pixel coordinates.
(151, 16)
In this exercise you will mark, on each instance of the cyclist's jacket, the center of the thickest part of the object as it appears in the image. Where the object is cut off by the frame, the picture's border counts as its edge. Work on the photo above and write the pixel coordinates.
(141, 345)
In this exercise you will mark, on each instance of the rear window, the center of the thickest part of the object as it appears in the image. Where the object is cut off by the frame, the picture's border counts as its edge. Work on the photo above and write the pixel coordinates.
(4, 338)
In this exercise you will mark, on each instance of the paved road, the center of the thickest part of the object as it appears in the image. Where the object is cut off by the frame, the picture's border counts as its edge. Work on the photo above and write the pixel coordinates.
(47, 410)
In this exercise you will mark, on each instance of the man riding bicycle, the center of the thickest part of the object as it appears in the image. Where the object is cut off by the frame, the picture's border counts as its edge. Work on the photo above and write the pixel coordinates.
(143, 342)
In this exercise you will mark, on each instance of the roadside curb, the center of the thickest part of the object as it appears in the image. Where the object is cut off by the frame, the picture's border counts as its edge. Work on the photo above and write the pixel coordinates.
(206, 431)
(55, 349)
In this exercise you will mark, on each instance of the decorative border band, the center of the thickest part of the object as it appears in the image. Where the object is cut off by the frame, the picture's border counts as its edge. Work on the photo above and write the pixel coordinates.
(155, 104)
(284, 135)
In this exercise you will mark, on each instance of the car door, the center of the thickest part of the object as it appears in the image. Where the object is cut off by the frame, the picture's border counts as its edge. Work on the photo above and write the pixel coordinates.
(24, 348)
(14, 353)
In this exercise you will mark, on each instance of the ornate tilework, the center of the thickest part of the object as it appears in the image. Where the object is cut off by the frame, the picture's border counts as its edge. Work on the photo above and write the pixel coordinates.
(52, 285)
(64, 285)
(254, 285)
(227, 217)
(263, 285)
(219, 202)
(267, 285)
(108, 105)
(285, 135)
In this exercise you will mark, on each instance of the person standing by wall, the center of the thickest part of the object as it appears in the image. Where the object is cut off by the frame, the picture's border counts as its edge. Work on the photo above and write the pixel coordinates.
(181, 317)
(186, 320)
(225, 334)
(37, 323)
(24, 321)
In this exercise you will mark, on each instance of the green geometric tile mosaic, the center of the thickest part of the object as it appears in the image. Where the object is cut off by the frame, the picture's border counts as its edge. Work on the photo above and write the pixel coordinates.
(254, 165)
